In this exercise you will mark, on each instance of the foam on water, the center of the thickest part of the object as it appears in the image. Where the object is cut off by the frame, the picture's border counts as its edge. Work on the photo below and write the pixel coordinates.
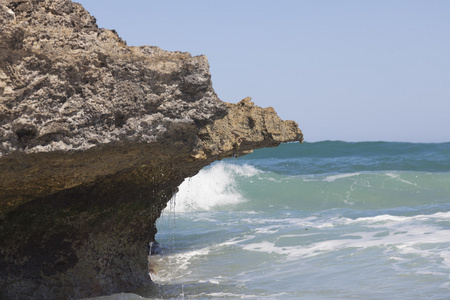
(172, 267)
(329, 220)
(332, 178)
(212, 187)
(403, 235)
(120, 296)
(284, 244)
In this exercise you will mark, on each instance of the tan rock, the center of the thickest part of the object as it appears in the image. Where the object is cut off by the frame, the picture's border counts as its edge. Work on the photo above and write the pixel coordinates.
(95, 137)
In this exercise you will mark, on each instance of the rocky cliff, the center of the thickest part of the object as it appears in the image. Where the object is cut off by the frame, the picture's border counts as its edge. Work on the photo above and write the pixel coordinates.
(95, 137)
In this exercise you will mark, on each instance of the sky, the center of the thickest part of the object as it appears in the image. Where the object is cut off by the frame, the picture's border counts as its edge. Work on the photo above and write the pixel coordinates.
(350, 70)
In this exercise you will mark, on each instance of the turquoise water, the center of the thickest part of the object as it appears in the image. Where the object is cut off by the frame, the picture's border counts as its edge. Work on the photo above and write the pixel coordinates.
(326, 220)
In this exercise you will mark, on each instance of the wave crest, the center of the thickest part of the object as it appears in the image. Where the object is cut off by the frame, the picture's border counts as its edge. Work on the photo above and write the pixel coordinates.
(212, 187)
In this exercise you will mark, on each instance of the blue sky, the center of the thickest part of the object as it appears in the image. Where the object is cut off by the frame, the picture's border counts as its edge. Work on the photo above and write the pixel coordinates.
(352, 70)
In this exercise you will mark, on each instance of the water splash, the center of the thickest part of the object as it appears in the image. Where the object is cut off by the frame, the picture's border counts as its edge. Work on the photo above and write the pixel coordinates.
(215, 186)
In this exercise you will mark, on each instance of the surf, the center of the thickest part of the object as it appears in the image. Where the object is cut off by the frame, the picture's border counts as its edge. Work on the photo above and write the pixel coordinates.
(310, 221)
(325, 212)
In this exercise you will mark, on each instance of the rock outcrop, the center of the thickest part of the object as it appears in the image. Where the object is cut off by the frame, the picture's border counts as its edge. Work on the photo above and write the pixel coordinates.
(95, 137)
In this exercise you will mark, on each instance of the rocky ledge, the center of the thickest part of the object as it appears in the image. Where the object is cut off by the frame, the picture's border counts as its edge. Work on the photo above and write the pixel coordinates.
(95, 137)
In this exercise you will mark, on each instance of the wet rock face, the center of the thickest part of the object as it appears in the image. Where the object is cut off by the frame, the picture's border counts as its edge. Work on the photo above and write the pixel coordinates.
(95, 136)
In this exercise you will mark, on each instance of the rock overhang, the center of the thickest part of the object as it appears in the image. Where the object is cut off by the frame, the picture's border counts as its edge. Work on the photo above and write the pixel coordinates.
(95, 136)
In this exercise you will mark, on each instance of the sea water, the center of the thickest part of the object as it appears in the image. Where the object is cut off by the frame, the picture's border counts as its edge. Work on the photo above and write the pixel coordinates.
(325, 220)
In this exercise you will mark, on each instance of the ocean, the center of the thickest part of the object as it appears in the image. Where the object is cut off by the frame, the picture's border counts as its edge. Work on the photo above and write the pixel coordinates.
(323, 220)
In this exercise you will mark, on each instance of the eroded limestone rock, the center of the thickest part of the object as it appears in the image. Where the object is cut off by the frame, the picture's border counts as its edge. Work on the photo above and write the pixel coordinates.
(95, 137)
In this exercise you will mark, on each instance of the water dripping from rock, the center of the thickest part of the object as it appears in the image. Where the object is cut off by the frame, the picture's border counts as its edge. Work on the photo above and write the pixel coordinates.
(166, 224)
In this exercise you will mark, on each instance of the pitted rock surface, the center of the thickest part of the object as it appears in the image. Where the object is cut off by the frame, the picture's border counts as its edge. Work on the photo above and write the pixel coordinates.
(95, 138)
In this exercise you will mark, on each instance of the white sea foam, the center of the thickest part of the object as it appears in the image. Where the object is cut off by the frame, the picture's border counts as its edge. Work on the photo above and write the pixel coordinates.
(176, 267)
(119, 296)
(332, 178)
(329, 178)
(403, 238)
(172, 267)
(406, 244)
(212, 187)
(224, 295)
(227, 295)
(213, 281)
(396, 176)
(393, 219)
